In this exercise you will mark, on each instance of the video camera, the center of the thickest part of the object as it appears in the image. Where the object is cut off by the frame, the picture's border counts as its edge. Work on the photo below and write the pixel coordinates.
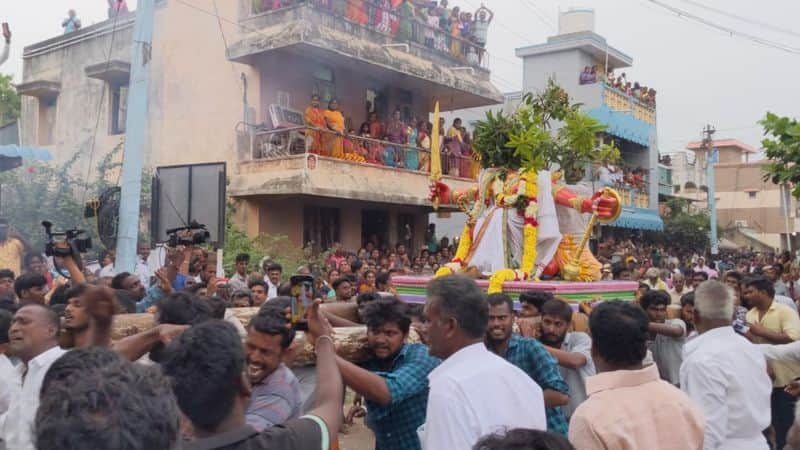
(199, 235)
(77, 242)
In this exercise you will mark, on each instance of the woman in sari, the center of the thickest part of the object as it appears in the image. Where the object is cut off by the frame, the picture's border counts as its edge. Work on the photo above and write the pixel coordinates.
(314, 117)
(335, 122)
(411, 160)
(396, 134)
(404, 31)
(455, 33)
(454, 144)
(424, 142)
(465, 162)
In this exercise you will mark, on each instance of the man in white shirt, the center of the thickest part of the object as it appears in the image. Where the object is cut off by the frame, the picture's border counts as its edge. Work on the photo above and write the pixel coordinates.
(9, 378)
(667, 336)
(473, 392)
(33, 338)
(273, 279)
(573, 350)
(678, 288)
(725, 375)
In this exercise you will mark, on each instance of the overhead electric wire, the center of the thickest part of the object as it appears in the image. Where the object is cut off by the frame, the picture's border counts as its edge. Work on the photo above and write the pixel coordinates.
(759, 23)
(731, 31)
(540, 14)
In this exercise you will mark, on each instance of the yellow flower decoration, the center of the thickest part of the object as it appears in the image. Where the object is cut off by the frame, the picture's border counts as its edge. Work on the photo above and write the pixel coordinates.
(498, 278)
(529, 238)
(464, 244)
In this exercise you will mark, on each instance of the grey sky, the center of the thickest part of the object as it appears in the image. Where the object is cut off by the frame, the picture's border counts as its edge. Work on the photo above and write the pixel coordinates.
(701, 75)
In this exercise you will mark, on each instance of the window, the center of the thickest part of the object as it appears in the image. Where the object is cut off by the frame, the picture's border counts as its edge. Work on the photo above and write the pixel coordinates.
(324, 84)
(46, 120)
(119, 108)
(751, 194)
(321, 227)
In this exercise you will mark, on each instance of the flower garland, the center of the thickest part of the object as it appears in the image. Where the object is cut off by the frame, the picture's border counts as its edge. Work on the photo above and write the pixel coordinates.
(501, 276)
(450, 268)
(530, 229)
(464, 244)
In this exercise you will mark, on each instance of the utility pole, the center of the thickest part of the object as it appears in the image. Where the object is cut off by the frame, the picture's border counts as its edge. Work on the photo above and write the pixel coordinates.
(136, 127)
(712, 155)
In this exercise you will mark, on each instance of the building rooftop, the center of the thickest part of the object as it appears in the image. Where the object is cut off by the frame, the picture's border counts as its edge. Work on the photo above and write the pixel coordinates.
(588, 41)
(698, 145)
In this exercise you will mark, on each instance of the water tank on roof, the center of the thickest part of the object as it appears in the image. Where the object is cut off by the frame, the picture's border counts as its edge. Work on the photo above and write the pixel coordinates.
(576, 20)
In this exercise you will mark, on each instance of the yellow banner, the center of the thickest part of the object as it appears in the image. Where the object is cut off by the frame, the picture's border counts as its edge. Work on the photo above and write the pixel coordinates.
(436, 157)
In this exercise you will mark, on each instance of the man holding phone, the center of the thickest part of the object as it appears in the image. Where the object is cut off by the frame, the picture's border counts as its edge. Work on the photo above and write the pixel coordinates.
(7, 45)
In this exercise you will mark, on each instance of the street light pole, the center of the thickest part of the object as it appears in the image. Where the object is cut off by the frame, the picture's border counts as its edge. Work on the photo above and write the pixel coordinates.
(135, 126)
(712, 155)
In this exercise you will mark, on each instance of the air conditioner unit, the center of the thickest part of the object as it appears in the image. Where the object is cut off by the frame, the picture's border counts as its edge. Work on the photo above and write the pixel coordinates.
(740, 223)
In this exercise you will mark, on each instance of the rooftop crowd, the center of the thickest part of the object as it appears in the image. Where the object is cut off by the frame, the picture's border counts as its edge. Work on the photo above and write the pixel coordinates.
(701, 359)
(430, 23)
(595, 74)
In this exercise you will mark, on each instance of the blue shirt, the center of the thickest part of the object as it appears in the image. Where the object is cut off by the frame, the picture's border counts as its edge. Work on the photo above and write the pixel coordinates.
(395, 425)
(530, 356)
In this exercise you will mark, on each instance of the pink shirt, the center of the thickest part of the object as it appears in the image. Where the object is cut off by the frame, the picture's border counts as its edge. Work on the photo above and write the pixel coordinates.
(635, 410)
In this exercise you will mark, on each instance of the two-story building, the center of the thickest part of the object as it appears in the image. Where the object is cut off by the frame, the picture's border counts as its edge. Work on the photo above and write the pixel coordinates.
(753, 212)
(630, 120)
(230, 81)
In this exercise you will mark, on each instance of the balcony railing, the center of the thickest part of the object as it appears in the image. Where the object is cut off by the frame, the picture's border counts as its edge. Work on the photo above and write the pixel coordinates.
(284, 142)
(634, 197)
(390, 22)
(618, 100)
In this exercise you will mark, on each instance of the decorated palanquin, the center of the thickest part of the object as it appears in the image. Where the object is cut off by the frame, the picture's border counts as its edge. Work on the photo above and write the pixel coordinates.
(524, 222)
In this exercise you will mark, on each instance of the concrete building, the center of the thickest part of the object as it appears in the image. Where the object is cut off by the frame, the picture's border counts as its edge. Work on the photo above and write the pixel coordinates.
(631, 123)
(233, 90)
(753, 212)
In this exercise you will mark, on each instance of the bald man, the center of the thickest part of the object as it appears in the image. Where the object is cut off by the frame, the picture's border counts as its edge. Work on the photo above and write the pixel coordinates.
(33, 338)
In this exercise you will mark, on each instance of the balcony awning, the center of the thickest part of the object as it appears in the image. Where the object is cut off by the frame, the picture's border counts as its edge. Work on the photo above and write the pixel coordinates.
(42, 89)
(114, 71)
(640, 219)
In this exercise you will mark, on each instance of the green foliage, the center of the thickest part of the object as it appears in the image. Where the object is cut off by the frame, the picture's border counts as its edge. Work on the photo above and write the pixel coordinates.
(526, 139)
(278, 248)
(490, 141)
(686, 230)
(782, 148)
(9, 100)
(37, 191)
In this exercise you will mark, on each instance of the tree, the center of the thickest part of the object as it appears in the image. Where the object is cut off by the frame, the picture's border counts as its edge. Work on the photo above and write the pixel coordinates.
(546, 131)
(782, 148)
(9, 101)
(278, 248)
(685, 231)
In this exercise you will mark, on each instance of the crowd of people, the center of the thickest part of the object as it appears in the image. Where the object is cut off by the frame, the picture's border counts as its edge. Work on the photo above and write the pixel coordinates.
(594, 74)
(427, 22)
(705, 357)
(398, 142)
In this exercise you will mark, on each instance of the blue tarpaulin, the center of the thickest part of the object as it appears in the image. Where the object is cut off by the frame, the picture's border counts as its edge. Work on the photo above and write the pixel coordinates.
(11, 156)
(640, 219)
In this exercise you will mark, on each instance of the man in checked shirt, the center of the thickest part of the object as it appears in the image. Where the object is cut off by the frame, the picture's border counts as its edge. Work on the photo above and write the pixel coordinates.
(394, 381)
(530, 356)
